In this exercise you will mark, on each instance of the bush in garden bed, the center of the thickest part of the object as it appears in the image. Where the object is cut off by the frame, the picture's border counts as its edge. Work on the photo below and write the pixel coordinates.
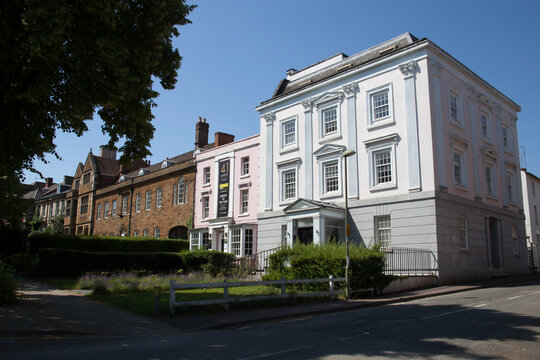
(41, 240)
(8, 285)
(208, 261)
(318, 262)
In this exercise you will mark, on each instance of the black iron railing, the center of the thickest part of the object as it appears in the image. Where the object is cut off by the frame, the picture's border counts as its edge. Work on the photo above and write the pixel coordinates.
(256, 263)
(410, 261)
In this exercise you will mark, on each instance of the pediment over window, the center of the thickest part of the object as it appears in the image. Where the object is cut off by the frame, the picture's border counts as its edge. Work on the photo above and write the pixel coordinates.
(459, 141)
(392, 138)
(489, 154)
(293, 161)
(328, 150)
(328, 97)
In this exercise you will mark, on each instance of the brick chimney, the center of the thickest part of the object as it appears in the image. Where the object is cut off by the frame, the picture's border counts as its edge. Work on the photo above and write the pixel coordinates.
(201, 133)
(48, 182)
(107, 152)
(222, 139)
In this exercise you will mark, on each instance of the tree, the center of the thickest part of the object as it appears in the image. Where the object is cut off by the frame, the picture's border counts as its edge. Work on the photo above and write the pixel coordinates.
(63, 61)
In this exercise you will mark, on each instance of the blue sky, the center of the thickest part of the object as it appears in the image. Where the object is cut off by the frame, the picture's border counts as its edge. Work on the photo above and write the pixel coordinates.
(236, 52)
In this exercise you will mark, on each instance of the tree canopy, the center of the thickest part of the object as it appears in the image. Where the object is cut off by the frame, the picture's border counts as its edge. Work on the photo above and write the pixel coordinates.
(63, 61)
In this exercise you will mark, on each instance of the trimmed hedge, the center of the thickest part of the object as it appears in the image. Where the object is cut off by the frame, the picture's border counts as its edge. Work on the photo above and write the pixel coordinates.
(317, 262)
(208, 261)
(67, 262)
(41, 240)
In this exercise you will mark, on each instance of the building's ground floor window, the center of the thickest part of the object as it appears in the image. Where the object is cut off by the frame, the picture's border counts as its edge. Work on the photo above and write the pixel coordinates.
(383, 230)
(194, 241)
(206, 241)
(236, 241)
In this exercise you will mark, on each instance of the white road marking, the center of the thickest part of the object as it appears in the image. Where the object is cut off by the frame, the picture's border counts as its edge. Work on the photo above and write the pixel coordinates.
(479, 305)
(515, 297)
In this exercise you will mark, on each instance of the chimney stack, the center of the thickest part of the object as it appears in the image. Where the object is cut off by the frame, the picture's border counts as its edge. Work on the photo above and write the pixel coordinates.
(107, 152)
(222, 139)
(201, 133)
(48, 182)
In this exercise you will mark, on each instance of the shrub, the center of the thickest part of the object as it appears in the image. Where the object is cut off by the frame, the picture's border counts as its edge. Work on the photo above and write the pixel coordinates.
(41, 240)
(209, 261)
(75, 262)
(12, 240)
(8, 285)
(317, 262)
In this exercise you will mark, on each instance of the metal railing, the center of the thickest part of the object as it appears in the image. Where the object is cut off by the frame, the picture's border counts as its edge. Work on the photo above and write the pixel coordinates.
(410, 261)
(173, 287)
(256, 263)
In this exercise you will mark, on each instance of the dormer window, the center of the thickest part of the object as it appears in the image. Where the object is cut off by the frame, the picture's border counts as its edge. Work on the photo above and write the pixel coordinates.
(166, 163)
(122, 178)
(86, 178)
(143, 172)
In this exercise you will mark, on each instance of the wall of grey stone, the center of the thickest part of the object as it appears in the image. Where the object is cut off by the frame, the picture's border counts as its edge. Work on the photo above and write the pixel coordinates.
(474, 263)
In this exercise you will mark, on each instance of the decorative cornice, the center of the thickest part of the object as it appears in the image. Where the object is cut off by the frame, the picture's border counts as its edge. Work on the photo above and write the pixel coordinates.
(409, 69)
(350, 89)
(513, 117)
(387, 138)
(497, 107)
(269, 117)
(308, 104)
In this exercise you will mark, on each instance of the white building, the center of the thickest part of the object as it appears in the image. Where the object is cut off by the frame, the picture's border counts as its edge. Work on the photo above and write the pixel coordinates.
(530, 184)
(436, 162)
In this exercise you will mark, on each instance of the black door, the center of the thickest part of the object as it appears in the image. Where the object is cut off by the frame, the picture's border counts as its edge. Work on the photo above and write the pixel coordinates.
(305, 235)
(494, 242)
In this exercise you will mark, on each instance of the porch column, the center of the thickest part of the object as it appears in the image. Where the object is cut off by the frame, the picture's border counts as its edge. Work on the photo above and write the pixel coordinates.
(269, 159)
(350, 91)
(290, 232)
(411, 115)
(318, 230)
(308, 154)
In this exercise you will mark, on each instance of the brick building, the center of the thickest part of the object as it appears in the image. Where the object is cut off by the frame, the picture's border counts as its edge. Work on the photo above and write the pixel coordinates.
(97, 172)
(155, 200)
(50, 200)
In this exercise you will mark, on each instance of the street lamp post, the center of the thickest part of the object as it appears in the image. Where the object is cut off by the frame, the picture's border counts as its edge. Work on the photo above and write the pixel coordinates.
(346, 154)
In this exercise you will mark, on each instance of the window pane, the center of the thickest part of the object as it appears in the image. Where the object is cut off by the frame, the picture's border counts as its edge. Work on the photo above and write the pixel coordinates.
(248, 241)
(289, 184)
(380, 105)
(289, 133)
(383, 167)
(329, 121)
(236, 241)
(331, 177)
(383, 230)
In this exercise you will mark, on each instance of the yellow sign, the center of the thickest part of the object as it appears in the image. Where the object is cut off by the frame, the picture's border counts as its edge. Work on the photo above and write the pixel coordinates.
(221, 186)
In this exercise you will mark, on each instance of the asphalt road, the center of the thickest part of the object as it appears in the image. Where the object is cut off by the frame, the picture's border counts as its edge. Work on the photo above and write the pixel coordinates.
(491, 323)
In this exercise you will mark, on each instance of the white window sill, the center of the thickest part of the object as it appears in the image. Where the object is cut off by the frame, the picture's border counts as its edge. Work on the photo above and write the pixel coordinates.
(243, 215)
(461, 187)
(381, 123)
(206, 185)
(288, 149)
(458, 125)
(508, 151)
(331, 195)
(287, 202)
(329, 138)
(383, 187)
(487, 140)
(491, 196)
(244, 176)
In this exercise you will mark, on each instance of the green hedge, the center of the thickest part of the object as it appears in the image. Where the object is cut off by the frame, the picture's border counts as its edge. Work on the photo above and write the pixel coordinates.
(8, 285)
(41, 240)
(67, 262)
(318, 262)
(64, 262)
(208, 261)
(12, 241)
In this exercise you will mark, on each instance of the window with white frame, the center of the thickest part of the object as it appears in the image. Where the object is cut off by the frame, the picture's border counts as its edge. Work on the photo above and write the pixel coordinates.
(135, 233)
(458, 168)
(113, 208)
(138, 202)
(148, 200)
(156, 233)
(206, 175)
(463, 232)
(236, 241)
(244, 201)
(206, 241)
(99, 212)
(331, 177)
(455, 114)
(124, 204)
(515, 244)
(484, 120)
(181, 188)
(380, 105)
(194, 241)
(330, 121)
(383, 230)
(146, 233)
(206, 207)
(288, 179)
(382, 167)
(248, 242)
(288, 133)
(245, 165)
(490, 184)
(510, 186)
(159, 195)
(106, 211)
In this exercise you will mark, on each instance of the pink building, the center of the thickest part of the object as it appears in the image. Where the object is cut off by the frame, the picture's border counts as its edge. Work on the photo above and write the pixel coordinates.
(226, 197)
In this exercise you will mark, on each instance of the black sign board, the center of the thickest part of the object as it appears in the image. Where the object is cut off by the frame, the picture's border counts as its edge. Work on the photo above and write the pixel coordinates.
(223, 192)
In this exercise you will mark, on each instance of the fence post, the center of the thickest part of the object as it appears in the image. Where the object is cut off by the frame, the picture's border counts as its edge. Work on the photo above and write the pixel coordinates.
(157, 293)
(226, 295)
(331, 286)
(172, 295)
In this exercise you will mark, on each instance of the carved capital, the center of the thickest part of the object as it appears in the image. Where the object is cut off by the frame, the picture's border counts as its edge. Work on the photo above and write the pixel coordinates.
(497, 108)
(350, 89)
(270, 117)
(307, 104)
(436, 69)
(409, 69)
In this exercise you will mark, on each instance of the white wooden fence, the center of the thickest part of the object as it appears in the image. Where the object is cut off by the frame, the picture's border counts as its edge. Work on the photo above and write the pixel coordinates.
(227, 285)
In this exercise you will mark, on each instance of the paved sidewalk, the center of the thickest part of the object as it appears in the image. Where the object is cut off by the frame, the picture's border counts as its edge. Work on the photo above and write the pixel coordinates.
(47, 312)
